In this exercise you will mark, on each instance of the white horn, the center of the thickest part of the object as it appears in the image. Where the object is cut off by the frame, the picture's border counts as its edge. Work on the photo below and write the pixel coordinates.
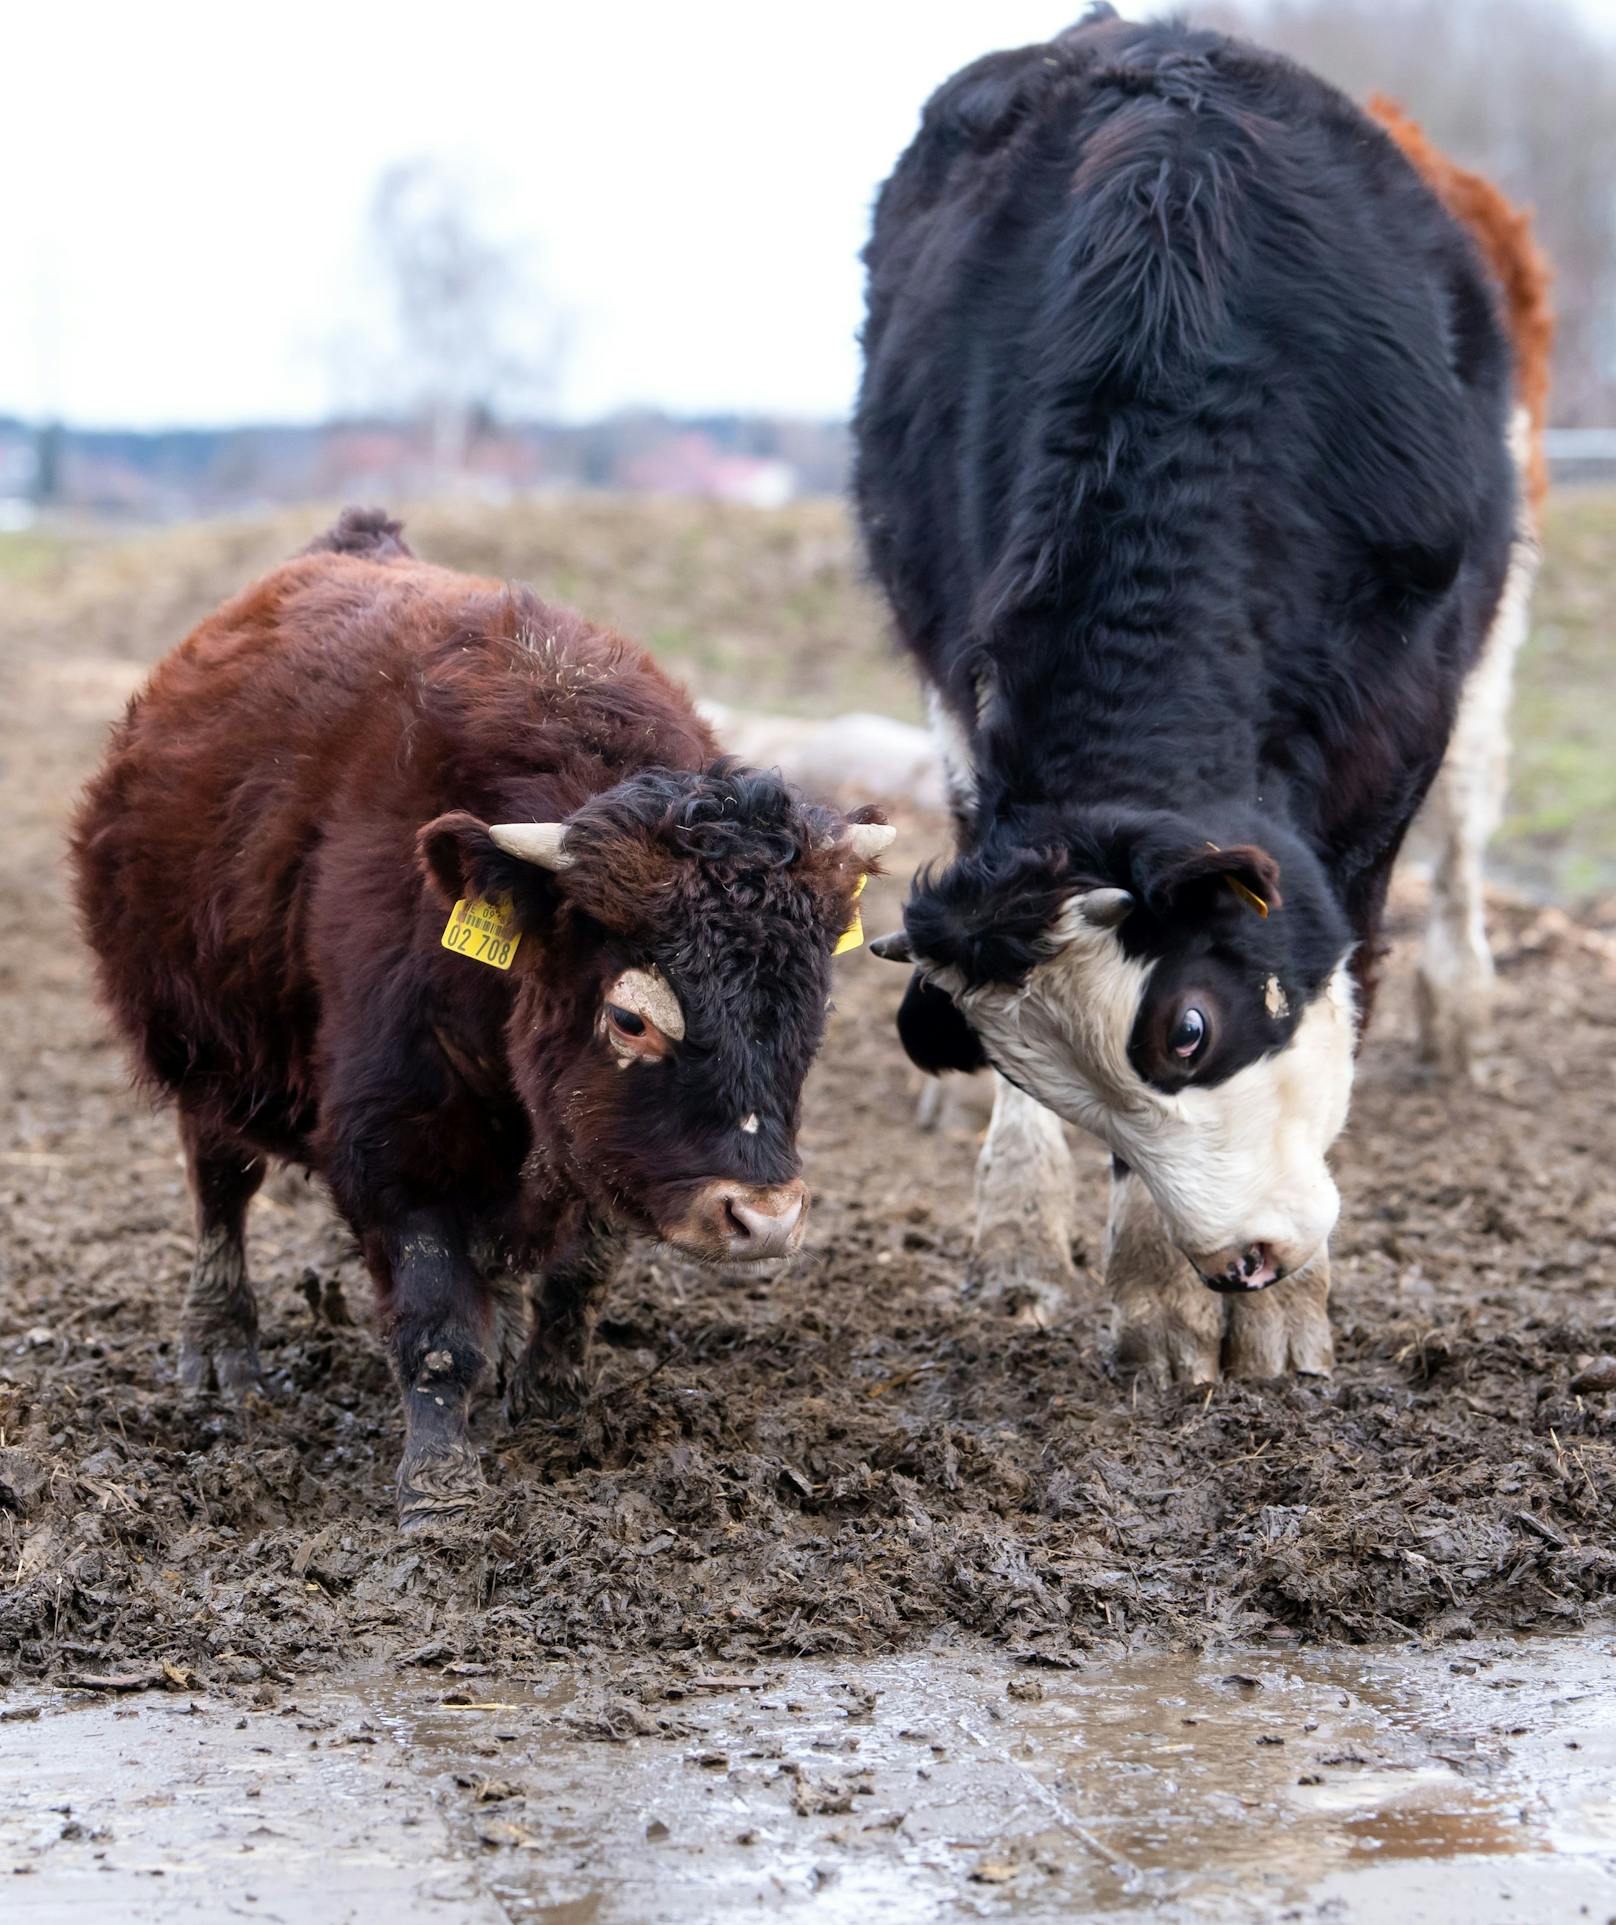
(868, 839)
(541, 843)
(1105, 908)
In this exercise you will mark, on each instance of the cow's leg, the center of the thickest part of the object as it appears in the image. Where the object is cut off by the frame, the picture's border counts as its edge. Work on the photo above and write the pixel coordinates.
(1173, 1328)
(1282, 1330)
(1021, 1256)
(551, 1378)
(219, 1321)
(440, 1318)
(1454, 987)
(1169, 1325)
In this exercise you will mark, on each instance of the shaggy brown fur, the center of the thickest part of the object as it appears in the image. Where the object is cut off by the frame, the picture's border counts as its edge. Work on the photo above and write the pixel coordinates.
(265, 865)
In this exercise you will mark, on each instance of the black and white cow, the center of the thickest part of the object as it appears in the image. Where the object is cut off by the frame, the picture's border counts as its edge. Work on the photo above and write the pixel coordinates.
(1184, 457)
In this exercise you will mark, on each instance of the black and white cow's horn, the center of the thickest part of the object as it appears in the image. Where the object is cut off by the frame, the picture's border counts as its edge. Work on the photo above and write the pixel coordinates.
(1105, 908)
(867, 840)
(893, 948)
(542, 843)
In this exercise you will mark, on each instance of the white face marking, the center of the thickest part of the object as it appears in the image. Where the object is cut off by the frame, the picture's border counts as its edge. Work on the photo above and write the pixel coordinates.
(646, 992)
(1274, 999)
(1230, 1166)
(749, 1125)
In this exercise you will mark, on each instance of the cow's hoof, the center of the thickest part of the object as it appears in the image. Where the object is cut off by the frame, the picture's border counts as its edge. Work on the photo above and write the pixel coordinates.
(1282, 1331)
(1031, 1284)
(546, 1396)
(1454, 1020)
(437, 1486)
(227, 1366)
(1165, 1349)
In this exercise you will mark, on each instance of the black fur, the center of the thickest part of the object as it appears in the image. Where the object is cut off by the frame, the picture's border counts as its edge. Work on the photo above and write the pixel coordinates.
(1181, 455)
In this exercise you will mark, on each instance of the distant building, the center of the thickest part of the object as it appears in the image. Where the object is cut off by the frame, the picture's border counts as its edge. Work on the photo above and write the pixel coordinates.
(19, 476)
(693, 465)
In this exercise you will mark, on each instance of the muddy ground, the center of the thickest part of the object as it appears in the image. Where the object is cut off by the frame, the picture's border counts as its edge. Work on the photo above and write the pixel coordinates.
(843, 1460)
(1332, 1786)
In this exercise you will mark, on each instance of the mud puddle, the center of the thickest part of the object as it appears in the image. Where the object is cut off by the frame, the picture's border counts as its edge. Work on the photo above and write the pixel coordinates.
(1474, 1781)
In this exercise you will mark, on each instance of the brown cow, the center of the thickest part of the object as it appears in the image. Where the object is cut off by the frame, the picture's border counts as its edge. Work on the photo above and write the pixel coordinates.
(612, 1040)
(1455, 982)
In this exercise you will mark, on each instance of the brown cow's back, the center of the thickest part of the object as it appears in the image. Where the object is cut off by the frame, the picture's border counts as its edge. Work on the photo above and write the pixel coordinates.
(272, 777)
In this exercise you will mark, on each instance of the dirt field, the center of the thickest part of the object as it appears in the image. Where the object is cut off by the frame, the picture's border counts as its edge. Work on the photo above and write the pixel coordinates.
(840, 1460)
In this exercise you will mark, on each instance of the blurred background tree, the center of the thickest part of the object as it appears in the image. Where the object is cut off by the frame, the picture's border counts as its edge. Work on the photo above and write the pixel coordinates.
(1525, 94)
(474, 338)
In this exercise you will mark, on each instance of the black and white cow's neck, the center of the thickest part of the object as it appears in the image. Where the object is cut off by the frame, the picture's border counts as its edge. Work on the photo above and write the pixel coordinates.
(1183, 459)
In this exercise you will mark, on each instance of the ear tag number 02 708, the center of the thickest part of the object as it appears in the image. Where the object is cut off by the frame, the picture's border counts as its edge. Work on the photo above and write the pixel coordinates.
(853, 935)
(483, 928)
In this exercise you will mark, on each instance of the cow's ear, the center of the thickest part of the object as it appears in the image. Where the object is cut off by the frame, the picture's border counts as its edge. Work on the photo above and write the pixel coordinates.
(1247, 873)
(934, 1033)
(461, 860)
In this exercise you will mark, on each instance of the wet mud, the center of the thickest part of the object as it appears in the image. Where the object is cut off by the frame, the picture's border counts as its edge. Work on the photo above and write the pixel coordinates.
(1474, 1782)
(845, 1458)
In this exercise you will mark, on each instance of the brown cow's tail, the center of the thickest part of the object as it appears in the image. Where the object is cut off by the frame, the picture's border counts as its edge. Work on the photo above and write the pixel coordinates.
(370, 532)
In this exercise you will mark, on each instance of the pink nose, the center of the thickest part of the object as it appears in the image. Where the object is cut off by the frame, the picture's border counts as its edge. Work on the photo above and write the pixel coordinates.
(748, 1224)
(765, 1221)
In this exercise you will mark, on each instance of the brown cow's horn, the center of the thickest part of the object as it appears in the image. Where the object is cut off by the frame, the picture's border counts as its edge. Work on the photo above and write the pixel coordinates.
(541, 843)
(893, 948)
(868, 839)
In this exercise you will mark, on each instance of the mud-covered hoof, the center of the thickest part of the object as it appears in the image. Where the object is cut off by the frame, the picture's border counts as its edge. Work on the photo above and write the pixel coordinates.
(1030, 1285)
(546, 1397)
(438, 1486)
(1283, 1331)
(1166, 1351)
(227, 1369)
(1454, 1021)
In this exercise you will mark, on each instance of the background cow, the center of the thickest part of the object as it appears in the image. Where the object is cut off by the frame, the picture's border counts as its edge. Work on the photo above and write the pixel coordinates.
(616, 1044)
(1185, 457)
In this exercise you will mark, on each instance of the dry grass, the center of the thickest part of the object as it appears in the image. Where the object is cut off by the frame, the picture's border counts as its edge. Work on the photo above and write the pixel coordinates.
(769, 610)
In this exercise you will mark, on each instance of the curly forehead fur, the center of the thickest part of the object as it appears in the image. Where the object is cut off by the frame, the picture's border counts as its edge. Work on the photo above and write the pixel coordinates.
(709, 859)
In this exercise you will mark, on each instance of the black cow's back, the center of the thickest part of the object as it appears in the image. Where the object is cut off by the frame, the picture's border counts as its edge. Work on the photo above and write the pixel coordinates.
(1182, 437)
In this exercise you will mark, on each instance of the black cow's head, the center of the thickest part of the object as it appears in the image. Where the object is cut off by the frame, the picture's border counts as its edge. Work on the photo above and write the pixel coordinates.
(672, 981)
(1162, 986)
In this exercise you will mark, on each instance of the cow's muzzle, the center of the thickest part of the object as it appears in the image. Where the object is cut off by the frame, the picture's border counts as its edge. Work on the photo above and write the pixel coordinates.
(1252, 1268)
(730, 1222)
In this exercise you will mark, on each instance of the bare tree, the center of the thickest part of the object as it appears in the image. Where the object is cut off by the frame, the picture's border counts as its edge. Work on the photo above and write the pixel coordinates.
(474, 335)
(1525, 94)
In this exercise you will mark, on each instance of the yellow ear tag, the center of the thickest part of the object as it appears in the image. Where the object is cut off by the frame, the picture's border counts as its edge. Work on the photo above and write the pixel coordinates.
(483, 928)
(1247, 896)
(852, 936)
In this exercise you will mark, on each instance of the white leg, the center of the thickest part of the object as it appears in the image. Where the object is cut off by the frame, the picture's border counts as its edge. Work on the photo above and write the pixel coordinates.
(1021, 1257)
(1454, 987)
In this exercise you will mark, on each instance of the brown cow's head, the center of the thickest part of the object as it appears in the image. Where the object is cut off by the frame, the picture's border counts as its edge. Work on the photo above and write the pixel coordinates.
(671, 988)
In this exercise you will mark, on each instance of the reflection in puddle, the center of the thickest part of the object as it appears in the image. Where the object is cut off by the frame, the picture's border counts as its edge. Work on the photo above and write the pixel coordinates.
(914, 1786)
(1374, 1785)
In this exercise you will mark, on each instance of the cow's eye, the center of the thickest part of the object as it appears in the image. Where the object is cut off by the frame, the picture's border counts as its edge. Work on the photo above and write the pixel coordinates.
(1187, 1038)
(625, 1020)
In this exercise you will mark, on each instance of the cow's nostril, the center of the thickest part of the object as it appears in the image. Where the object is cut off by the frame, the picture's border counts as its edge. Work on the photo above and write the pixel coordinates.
(762, 1224)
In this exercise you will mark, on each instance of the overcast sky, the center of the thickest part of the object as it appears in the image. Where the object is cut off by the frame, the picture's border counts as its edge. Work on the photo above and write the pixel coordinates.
(183, 187)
